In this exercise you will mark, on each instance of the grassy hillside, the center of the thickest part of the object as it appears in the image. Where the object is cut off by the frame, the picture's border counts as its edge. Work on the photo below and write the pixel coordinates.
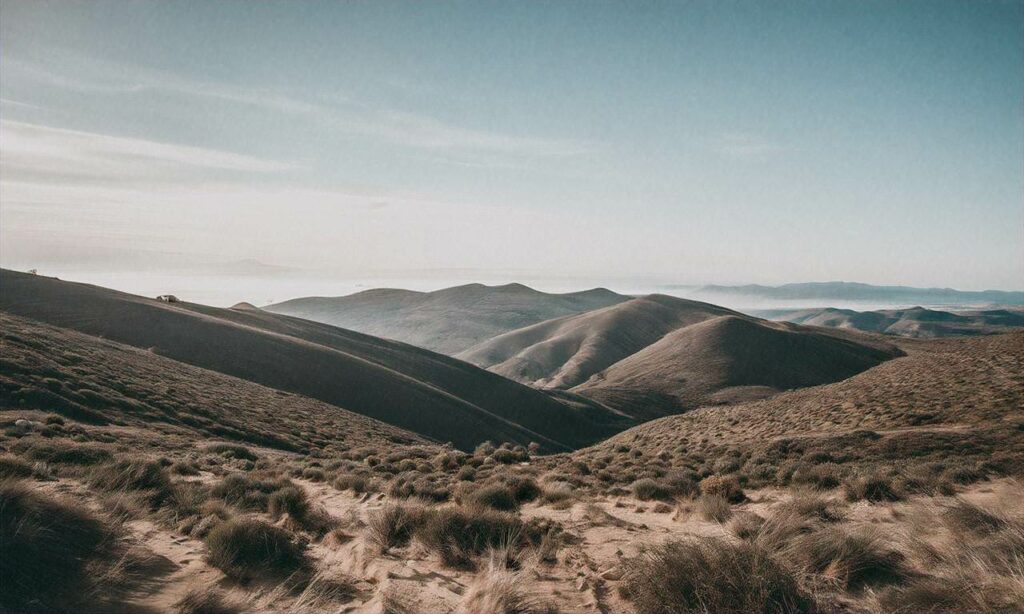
(955, 401)
(446, 321)
(564, 352)
(166, 403)
(427, 393)
(732, 358)
(916, 322)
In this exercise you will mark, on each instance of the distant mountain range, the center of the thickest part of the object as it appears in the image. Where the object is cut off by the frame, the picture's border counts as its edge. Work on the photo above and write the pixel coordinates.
(825, 293)
(446, 321)
(914, 322)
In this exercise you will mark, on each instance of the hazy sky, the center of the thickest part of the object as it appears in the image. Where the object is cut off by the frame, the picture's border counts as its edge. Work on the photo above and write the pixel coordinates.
(692, 142)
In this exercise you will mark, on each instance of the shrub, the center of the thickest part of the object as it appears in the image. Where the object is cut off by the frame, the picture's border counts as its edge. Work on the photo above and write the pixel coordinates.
(247, 491)
(185, 468)
(244, 548)
(746, 525)
(136, 475)
(457, 535)
(558, 493)
(647, 489)
(727, 486)
(50, 548)
(713, 508)
(813, 506)
(493, 496)
(351, 481)
(498, 590)
(823, 477)
(872, 488)
(314, 474)
(853, 560)
(523, 488)
(289, 500)
(965, 516)
(941, 595)
(392, 526)
(232, 450)
(711, 575)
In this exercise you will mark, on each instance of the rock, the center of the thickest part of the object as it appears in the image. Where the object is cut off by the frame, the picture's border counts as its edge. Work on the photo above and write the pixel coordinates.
(613, 573)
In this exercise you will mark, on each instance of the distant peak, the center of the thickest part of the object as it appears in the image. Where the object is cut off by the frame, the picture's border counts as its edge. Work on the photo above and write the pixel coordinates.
(244, 306)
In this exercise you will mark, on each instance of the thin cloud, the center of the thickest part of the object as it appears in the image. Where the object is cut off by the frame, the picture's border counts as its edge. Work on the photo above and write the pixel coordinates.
(343, 114)
(45, 152)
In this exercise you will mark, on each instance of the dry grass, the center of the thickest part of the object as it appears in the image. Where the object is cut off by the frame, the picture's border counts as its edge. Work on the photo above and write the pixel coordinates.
(713, 508)
(245, 548)
(500, 590)
(207, 600)
(54, 551)
(705, 575)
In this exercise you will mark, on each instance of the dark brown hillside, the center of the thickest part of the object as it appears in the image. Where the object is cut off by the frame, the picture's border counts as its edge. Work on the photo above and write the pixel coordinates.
(567, 351)
(427, 393)
(448, 320)
(732, 358)
(97, 381)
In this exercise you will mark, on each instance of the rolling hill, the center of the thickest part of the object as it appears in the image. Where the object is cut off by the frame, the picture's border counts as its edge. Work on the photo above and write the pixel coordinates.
(165, 403)
(947, 403)
(564, 352)
(446, 321)
(731, 358)
(915, 322)
(412, 388)
(658, 354)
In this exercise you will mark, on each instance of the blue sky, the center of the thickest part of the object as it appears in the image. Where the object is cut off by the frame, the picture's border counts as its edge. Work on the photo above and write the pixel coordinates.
(690, 142)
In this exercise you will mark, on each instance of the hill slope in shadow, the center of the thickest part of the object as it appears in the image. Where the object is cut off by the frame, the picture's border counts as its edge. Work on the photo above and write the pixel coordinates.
(732, 358)
(101, 382)
(565, 352)
(412, 388)
(446, 321)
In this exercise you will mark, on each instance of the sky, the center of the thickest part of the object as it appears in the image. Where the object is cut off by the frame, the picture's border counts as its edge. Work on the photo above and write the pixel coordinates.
(680, 142)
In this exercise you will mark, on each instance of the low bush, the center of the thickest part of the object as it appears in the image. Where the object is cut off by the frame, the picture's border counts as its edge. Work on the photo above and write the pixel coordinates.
(713, 508)
(458, 535)
(290, 500)
(392, 526)
(232, 450)
(813, 506)
(493, 496)
(872, 487)
(131, 474)
(726, 486)
(711, 575)
(853, 560)
(247, 491)
(647, 489)
(246, 548)
(185, 468)
(351, 481)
